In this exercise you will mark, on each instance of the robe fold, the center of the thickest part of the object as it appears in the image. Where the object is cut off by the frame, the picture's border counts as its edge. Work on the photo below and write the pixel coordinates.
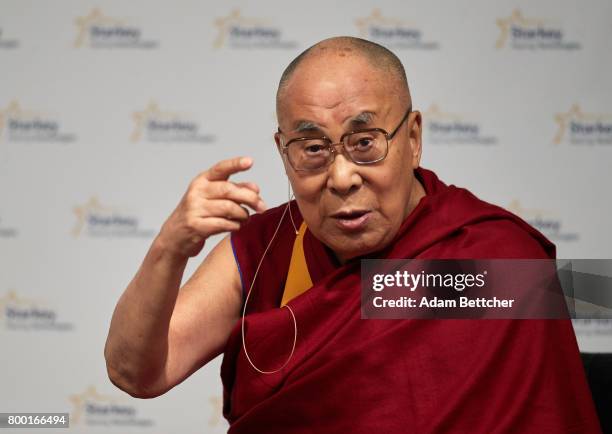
(349, 375)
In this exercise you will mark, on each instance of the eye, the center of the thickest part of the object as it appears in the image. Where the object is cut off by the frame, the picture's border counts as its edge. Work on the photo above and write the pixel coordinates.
(364, 143)
(314, 149)
(361, 142)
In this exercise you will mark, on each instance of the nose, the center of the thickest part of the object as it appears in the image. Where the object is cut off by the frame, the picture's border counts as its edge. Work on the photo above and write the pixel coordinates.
(343, 175)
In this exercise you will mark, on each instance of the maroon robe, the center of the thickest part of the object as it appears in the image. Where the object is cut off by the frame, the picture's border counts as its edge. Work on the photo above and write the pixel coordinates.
(349, 375)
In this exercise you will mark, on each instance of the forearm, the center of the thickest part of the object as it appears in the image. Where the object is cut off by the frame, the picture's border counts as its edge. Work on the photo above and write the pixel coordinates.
(137, 345)
(147, 353)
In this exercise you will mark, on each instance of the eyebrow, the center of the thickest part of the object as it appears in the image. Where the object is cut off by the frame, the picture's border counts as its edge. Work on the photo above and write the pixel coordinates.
(306, 126)
(363, 118)
(359, 120)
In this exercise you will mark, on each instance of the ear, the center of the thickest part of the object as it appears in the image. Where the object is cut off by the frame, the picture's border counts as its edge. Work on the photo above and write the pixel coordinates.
(415, 138)
(279, 141)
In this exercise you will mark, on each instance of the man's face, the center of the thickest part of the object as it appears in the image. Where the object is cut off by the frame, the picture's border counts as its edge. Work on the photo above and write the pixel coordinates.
(353, 209)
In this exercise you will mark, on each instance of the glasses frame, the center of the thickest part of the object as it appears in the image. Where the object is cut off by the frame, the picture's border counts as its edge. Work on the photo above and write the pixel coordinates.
(332, 146)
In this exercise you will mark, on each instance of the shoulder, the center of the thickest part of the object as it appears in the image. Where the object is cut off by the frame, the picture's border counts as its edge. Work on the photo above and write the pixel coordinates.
(260, 228)
(484, 230)
(265, 235)
(504, 238)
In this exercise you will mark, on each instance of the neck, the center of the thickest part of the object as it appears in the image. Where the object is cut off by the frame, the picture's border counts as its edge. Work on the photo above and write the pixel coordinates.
(418, 193)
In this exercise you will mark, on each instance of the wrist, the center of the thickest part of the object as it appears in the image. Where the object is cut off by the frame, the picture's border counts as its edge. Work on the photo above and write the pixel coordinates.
(162, 250)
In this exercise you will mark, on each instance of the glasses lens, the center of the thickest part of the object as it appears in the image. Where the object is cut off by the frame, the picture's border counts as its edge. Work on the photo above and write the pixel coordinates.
(309, 154)
(366, 146)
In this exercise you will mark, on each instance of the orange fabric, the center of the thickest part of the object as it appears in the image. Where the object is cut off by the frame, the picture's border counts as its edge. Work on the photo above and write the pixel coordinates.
(298, 277)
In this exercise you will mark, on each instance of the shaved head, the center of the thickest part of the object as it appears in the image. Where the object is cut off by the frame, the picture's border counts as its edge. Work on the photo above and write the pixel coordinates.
(340, 88)
(377, 56)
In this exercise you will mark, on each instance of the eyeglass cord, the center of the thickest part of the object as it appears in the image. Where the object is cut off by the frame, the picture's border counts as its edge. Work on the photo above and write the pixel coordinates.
(288, 207)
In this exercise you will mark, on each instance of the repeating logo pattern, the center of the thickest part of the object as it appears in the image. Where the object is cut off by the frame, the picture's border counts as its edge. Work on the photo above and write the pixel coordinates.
(96, 220)
(92, 408)
(97, 30)
(20, 313)
(237, 31)
(25, 125)
(579, 128)
(545, 221)
(393, 33)
(155, 125)
(522, 33)
(444, 128)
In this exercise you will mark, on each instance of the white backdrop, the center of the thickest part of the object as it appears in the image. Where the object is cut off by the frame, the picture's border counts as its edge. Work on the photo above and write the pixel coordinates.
(108, 109)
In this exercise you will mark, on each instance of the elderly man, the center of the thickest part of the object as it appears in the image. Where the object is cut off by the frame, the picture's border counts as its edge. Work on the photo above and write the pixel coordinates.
(301, 359)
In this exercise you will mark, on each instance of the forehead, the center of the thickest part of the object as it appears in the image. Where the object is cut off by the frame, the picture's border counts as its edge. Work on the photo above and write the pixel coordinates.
(334, 85)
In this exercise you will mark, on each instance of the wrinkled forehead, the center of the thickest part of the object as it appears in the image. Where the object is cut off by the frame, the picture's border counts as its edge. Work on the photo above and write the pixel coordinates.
(335, 82)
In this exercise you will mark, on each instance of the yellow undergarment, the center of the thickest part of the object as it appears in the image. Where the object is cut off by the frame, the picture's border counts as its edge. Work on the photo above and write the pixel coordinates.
(298, 278)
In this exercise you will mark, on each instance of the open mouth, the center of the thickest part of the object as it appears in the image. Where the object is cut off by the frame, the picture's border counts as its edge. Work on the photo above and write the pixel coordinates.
(351, 219)
(349, 215)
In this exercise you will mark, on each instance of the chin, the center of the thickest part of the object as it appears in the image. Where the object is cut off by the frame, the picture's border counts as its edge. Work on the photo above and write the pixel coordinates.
(353, 247)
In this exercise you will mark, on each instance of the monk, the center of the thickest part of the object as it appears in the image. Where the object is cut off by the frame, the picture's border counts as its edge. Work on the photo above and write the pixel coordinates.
(280, 297)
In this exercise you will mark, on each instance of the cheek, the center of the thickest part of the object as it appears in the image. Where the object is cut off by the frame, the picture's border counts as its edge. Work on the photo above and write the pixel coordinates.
(307, 188)
(393, 170)
(391, 187)
(307, 191)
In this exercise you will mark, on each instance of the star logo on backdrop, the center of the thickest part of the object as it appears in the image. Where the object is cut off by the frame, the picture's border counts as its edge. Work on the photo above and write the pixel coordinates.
(456, 129)
(11, 298)
(563, 120)
(545, 221)
(223, 25)
(516, 207)
(376, 17)
(140, 119)
(434, 112)
(13, 111)
(84, 23)
(4, 114)
(516, 18)
(79, 401)
(81, 212)
(152, 111)
(575, 113)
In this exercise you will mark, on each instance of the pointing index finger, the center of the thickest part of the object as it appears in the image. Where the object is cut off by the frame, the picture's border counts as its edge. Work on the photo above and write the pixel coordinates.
(225, 168)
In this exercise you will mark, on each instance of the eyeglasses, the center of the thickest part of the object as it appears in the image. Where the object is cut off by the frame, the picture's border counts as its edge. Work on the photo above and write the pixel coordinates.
(366, 146)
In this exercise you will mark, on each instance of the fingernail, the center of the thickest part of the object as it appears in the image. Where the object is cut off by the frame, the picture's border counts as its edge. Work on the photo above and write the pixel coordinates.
(245, 161)
(261, 205)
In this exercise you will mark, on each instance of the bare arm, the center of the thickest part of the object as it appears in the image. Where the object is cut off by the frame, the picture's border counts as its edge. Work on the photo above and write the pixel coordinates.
(160, 334)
